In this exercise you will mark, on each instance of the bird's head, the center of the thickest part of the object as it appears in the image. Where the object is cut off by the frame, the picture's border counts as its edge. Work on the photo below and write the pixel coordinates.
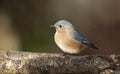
(63, 25)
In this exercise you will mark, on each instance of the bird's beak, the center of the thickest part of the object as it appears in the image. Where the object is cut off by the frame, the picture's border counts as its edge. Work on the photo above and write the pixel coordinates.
(52, 26)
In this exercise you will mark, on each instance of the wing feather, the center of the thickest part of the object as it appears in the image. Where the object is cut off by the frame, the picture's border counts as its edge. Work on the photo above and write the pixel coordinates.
(77, 37)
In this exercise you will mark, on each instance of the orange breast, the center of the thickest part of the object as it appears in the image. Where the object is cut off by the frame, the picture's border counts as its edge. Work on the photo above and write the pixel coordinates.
(67, 43)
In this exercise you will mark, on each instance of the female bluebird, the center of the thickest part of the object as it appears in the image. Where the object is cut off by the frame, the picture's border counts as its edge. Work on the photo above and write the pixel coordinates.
(68, 39)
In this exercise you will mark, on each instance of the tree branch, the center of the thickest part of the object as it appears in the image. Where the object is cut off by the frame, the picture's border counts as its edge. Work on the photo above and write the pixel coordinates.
(54, 63)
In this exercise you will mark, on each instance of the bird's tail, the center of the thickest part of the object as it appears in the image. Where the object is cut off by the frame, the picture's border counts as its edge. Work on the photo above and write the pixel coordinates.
(93, 46)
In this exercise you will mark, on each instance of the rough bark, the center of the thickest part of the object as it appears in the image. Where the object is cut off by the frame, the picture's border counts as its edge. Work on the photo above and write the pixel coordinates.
(16, 62)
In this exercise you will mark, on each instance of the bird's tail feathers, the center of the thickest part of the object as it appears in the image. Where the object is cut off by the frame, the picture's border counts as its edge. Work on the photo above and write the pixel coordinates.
(93, 46)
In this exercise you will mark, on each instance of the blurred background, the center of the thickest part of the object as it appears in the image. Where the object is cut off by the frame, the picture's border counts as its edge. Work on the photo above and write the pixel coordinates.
(25, 24)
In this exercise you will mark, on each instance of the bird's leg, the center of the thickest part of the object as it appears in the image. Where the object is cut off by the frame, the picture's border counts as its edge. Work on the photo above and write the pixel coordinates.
(65, 54)
(75, 54)
(68, 54)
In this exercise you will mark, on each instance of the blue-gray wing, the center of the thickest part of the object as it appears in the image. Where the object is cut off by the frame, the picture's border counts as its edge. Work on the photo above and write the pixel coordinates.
(83, 40)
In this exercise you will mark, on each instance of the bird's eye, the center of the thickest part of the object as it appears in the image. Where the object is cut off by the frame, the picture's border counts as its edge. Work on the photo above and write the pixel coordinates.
(60, 26)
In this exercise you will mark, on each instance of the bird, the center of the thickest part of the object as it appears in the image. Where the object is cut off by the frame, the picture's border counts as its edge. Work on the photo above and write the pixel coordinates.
(68, 39)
